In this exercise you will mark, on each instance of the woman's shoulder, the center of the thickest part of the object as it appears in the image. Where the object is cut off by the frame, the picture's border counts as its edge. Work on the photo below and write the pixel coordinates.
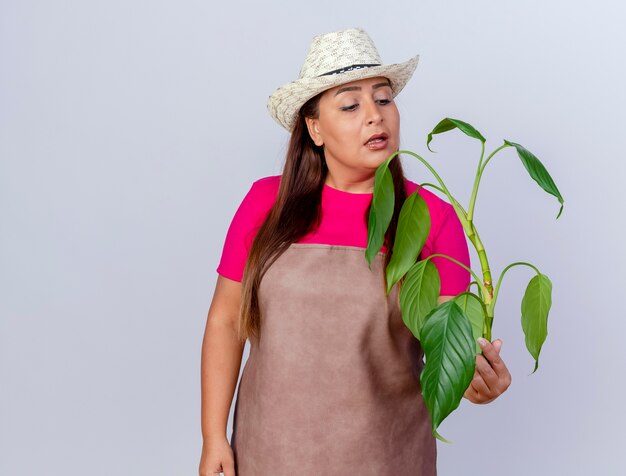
(257, 201)
(244, 225)
(263, 192)
(267, 185)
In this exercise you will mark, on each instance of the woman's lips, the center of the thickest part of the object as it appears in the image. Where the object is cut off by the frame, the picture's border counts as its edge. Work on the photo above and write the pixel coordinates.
(377, 144)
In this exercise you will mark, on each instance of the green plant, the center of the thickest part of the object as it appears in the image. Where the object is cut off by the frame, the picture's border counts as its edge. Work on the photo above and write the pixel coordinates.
(448, 332)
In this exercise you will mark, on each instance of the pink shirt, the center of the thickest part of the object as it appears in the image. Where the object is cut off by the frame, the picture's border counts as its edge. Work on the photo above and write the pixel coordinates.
(343, 224)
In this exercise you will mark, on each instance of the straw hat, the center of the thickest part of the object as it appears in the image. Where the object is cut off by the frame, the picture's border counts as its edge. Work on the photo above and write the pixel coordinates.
(333, 59)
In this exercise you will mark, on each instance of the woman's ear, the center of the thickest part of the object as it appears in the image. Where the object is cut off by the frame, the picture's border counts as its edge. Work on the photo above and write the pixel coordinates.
(313, 127)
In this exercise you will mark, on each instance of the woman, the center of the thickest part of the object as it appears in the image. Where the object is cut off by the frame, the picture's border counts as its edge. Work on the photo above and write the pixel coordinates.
(331, 385)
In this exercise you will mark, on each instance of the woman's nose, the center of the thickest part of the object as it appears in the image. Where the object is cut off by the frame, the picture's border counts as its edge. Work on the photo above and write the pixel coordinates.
(373, 115)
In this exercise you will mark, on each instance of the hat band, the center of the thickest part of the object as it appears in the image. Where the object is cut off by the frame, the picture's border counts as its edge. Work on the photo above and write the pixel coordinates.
(349, 68)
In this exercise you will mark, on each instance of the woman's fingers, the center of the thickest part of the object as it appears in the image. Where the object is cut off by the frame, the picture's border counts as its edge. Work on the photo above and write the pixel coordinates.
(493, 356)
(491, 377)
(492, 368)
(481, 388)
(229, 468)
(477, 391)
(486, 374)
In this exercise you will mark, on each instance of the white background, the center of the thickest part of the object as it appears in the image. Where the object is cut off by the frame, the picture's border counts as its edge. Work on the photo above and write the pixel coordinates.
(129, 133)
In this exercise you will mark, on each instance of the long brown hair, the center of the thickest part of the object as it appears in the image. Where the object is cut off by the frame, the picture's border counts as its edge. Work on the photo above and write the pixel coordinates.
(296, 212)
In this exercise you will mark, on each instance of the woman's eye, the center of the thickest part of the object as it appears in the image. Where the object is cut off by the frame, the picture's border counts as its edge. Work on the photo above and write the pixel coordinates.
(384, 101)
(349, 108)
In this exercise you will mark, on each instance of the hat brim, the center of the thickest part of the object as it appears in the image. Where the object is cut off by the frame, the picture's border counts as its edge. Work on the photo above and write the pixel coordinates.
(284, 104)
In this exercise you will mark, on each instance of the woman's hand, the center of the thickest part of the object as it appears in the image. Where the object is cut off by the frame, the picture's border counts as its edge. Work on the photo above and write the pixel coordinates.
(491, 377)
(217, 458)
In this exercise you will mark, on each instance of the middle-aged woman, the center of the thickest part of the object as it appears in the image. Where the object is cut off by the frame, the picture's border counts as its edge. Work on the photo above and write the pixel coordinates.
(331, 385)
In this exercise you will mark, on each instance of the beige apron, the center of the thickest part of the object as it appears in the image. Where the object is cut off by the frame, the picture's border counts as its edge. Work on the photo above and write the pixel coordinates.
(332, 387)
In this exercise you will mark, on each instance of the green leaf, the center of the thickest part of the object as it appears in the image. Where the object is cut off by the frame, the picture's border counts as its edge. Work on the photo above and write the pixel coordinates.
(381, 210)
(448, 124)
(448, 345)
(411, 234)
(418, 294)
(538, 172)
(475, 309)
(535, 307)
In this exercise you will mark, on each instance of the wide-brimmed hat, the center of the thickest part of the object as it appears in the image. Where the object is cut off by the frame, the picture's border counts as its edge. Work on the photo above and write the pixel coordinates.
(333, 59)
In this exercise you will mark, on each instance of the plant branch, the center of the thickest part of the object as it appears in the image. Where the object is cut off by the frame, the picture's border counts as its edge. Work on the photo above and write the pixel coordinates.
(478, 280)
(479, 175)
(491, 155)
(444, 189)
(495, 294)
(426, 184)
(470, 207)
(474, 238)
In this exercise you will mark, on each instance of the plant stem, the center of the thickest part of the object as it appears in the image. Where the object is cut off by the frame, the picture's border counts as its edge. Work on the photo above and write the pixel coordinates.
(455, 202)
(461, 265)
(491, 155)
(461, 213)
(484, 264)
(518, 263)
(466, 219)
(486, 286)
(489, 296)
(470, 208)
(479, 175)
(443, 188)
(428, 184)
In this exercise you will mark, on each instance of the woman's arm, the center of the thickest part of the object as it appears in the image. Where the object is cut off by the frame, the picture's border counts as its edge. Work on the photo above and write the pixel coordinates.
(221, 358)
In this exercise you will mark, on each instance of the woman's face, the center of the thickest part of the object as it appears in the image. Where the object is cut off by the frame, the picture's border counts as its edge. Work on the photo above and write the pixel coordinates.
(349, 116)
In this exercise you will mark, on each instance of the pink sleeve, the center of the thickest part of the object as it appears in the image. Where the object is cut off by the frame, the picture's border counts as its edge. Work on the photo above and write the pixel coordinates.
(449, 239)
(245, 224)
